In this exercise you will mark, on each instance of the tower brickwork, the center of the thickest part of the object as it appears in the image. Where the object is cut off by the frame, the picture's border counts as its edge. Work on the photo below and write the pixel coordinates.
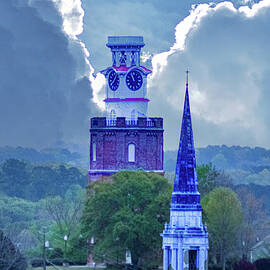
(185, 238)
(126, 139)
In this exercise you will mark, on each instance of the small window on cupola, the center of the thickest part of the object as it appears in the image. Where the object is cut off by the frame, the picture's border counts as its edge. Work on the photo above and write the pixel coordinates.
(131, 152)
(112, 115)
(133, 115)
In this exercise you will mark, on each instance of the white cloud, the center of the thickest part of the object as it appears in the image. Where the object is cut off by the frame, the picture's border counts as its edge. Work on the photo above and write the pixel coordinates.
(73, 14)
(226, 49)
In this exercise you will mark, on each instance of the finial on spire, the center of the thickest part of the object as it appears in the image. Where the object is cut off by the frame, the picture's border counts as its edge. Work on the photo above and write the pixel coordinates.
(187, 71)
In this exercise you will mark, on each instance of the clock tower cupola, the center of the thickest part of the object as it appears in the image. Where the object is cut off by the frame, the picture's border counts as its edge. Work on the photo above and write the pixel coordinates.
(126, 79)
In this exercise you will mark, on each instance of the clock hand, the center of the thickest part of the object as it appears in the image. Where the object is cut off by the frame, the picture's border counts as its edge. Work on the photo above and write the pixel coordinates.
(114, 79)
(132, 77)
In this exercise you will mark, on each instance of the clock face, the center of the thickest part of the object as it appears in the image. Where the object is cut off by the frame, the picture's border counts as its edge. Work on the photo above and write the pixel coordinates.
(113, 80)
(134, 80)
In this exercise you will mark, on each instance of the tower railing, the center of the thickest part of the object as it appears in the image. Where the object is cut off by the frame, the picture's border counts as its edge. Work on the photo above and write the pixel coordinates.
(111, 123)
(122, 122)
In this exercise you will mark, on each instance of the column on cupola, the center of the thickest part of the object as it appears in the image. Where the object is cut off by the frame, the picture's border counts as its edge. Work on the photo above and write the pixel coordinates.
(166, 254)
(180, 257)
(202, 258)
(114, 58)
(174, 258)
(186, 259)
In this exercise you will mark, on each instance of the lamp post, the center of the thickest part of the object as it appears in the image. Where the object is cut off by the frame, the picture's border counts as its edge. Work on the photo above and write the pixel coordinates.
(65, 239)
(117, 245)
(45, 245)
(90, 260)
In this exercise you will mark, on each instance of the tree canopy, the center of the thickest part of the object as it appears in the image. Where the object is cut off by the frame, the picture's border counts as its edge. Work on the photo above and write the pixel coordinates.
(33, 182)
(223, 214)
(128, 213)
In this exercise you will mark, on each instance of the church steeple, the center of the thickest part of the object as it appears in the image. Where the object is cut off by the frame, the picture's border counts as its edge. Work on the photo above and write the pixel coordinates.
(185, 238)
(185, 174)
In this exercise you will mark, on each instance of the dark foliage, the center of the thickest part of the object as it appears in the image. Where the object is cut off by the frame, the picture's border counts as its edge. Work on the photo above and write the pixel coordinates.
(57, 253)
(10, 256)
(262, 264)
(34, 182)
(244, 265)
(36, 262)
(57, 261)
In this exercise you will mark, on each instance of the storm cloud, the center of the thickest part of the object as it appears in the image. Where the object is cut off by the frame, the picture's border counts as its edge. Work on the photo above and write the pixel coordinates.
(45, 92)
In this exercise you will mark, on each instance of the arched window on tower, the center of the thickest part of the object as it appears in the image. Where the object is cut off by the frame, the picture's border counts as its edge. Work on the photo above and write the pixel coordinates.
(112, 115)
(133, 118)
(94, 152)
(131, 152)
(133, 115)
(112, 120)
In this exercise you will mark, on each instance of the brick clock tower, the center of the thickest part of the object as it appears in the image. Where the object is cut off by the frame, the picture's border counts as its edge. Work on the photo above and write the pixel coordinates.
(126, 139)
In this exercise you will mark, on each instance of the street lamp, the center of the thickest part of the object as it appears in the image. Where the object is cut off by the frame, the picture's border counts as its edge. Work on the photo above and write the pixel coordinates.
(65, 239)
(117, 245)
(90, 260)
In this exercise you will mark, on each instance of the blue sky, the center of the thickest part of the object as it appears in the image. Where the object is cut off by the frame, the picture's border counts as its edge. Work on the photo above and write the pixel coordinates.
(51, 48)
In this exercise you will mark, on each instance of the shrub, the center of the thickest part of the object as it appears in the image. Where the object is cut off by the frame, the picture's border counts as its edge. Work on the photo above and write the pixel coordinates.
(57, 253)
(244, 265)
(57, 261)
(262, 264)
(37, 262)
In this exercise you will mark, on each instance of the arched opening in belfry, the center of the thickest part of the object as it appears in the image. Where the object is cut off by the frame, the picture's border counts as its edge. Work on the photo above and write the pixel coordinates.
(133, 115)
(112, 114)
(131, 152)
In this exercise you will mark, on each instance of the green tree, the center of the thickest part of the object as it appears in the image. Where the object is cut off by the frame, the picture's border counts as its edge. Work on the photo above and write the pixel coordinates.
(10, 256)
(14, 177)
(209, 178)
(66, 212)
(207, 175)
(128, 212)
(223, 215)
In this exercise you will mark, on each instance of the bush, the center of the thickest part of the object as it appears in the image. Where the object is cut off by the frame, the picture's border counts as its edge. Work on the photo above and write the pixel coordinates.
(262, 264)
(37, 262)
(57, 253)
(57, 261)
(244, 265)
(214, 267)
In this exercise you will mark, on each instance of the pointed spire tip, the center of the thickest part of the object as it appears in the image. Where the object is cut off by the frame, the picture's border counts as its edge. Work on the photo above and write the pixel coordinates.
(187, 71)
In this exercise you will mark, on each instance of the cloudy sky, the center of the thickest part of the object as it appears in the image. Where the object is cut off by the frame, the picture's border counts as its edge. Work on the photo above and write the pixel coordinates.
(52, 50)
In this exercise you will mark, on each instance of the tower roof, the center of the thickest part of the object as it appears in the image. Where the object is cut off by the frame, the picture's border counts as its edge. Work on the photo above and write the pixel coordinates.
(125, 41)
(185, 173)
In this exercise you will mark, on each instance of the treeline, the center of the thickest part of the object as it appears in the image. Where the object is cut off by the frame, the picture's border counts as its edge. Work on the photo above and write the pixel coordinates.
(245, 165)
(243, 159)
(60, 155)
(33, 182)
(223, 157)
